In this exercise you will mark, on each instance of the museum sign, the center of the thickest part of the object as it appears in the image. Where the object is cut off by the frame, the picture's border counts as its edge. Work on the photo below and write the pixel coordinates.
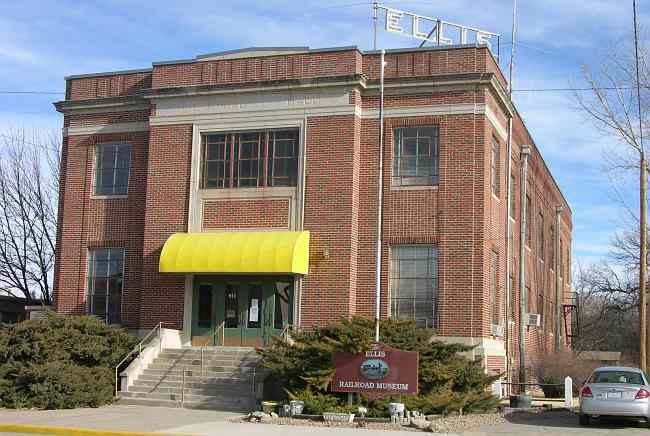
(380, 370)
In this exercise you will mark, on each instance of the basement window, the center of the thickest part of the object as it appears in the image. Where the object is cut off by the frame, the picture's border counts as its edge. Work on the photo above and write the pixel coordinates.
(414, 283)
(105, 283)
(250, 159)
(415, 156)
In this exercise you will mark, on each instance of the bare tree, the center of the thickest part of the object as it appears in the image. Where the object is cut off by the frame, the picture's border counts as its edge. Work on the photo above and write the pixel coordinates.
(620, 111)
(29, 187)
(609, 299)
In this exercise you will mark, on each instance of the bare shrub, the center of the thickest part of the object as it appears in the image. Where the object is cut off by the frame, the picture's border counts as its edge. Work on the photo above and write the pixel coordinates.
(554, 367)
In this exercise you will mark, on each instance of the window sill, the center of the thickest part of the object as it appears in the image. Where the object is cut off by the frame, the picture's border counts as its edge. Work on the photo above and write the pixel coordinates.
(413, 187)
(494, 197)
(108, 197)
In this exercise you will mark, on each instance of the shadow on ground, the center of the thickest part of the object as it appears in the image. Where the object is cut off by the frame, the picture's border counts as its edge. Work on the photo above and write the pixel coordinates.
(565, 419)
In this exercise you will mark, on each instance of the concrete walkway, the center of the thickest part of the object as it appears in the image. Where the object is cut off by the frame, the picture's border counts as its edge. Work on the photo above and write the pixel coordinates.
(197, 422)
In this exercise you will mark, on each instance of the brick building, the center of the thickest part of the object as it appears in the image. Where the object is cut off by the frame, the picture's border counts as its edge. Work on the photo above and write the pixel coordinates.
(235, 194)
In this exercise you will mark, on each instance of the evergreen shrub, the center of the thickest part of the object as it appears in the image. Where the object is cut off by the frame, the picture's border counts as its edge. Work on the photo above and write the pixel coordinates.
(448, 381)
(60, 362)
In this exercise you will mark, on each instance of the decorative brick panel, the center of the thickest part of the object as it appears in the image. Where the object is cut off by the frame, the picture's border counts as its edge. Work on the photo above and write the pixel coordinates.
(242, 214)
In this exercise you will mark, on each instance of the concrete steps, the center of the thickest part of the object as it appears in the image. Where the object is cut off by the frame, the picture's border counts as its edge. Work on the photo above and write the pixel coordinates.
(223, 381)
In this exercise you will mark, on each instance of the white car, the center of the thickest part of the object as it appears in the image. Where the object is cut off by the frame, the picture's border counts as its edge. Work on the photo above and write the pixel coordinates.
(615, 391)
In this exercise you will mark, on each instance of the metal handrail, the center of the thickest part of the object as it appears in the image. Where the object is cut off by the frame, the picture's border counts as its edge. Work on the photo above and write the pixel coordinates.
(284, 334)
(138, 349)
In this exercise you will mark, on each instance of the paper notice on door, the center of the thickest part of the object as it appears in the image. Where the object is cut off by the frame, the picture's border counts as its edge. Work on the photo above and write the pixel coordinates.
(253, 311)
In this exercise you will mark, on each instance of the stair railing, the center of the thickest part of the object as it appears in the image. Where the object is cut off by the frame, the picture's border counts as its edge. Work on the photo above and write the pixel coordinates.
(138, 349)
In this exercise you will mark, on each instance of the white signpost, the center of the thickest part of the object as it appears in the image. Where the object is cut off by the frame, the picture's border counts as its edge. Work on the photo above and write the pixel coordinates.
(435, 30)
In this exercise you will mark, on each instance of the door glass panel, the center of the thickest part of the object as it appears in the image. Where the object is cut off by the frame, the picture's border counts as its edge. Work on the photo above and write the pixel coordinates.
(205, 306)
(254, 306)
(231, 306)
(282, 304)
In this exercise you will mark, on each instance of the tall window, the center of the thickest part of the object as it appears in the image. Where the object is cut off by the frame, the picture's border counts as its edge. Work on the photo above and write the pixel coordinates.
(112, 165)
(513, 201)
(552, 258)
(540, 227)
(561, 258)
(105, 282)
(494, 300)
(415, 156)
(494, 167)
(250, 159)
(513, 299)
(529, 221)
(414, 283)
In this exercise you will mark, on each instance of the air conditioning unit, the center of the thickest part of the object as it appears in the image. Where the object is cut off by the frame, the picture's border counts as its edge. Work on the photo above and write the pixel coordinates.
(533, 319)
(497, 330)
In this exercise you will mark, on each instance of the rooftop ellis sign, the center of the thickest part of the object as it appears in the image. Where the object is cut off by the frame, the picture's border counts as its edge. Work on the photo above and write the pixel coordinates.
(435, 30)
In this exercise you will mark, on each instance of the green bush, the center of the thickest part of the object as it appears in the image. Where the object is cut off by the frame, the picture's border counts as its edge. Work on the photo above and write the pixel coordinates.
(448, 381)
(315, 402)
(60, 362)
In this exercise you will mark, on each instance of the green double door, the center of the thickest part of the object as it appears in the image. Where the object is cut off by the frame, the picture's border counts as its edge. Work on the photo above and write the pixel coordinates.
(244, 311)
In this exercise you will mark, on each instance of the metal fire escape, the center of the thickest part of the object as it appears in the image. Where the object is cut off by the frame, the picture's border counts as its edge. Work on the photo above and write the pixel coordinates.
(571, 315)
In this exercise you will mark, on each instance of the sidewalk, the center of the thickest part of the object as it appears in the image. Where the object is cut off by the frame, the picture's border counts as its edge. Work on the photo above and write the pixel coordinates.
(162, 420)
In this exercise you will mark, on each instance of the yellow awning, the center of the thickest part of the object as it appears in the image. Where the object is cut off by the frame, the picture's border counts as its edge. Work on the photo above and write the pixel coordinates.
(236, 252)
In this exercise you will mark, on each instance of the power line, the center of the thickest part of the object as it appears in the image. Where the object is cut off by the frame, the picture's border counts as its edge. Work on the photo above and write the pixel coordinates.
(31, 92)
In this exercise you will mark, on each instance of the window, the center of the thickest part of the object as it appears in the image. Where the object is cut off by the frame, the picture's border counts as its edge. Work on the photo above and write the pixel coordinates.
(415, 156)
(105, 282)
(540, 303)
(494, 303)
(540, 227)
(414, 283)
(205, 306)
(552, 241)
(283, 293)
(112, 165)
(513, 201)
(617, 376)
(561, 258)
(254, 306)
(513, 299)
(529, 221)
(494, 167)
(250, 159)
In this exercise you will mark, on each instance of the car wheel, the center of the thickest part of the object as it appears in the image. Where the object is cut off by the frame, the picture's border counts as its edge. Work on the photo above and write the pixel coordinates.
(583, 419)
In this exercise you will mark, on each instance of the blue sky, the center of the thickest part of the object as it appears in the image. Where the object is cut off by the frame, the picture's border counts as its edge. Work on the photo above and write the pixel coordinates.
(41, 42)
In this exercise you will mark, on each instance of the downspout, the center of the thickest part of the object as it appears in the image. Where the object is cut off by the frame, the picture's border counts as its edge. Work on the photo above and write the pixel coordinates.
(558, 303)
(508, 252)
(525, 153)
(301, 224)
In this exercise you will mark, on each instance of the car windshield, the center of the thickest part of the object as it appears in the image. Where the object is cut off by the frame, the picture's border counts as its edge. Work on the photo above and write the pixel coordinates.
(629, 377)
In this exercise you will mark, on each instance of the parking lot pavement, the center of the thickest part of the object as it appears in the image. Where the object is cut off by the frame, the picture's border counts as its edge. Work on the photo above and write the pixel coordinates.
(557, 423)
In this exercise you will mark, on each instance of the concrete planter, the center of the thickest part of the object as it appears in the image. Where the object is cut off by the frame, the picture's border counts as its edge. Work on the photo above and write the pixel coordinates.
(338, 417)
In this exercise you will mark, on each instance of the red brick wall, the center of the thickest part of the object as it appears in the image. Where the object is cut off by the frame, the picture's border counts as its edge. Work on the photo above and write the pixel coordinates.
(86, 222)
(166, 212)
(329, 202)
(282, 67)
(241, 214)
(114, 85)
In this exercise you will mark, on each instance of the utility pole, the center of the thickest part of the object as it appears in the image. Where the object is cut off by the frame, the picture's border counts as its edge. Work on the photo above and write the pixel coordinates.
(525, 153)
(643, 243)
